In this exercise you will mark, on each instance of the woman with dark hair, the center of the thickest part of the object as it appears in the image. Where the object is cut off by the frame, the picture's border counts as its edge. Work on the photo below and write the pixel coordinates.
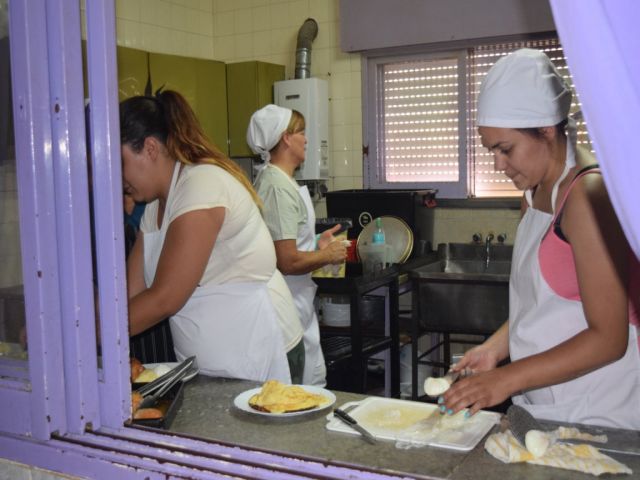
(574, 293)
(204, 256)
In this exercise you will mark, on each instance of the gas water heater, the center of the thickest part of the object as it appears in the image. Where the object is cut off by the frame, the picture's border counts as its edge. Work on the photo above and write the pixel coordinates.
(311, 98)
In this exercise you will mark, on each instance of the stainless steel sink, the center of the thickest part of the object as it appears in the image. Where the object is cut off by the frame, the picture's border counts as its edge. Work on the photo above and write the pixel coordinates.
(463, 291)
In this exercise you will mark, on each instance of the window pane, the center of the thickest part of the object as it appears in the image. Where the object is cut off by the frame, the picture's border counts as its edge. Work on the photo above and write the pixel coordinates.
(11, 293)
(420, 101)
(486, 181)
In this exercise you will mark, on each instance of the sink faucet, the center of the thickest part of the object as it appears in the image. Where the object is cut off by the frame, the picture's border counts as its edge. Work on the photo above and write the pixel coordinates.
(487, 244)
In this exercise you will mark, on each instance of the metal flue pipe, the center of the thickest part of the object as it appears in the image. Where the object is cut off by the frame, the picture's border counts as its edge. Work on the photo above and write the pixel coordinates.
(306, 35)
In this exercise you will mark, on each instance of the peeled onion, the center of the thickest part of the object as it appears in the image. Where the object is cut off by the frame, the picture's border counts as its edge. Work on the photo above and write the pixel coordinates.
(537, 442)
(435, 387)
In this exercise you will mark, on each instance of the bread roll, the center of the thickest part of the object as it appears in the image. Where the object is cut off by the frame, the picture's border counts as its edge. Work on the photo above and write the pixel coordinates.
(136, 400)
(147, 414)
(136, 368)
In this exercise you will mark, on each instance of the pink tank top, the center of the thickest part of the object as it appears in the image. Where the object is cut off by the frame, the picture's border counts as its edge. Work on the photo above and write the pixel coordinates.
(559, 270)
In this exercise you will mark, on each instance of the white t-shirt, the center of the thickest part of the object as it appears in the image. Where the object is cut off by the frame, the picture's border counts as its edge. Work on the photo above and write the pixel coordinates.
(244, 250)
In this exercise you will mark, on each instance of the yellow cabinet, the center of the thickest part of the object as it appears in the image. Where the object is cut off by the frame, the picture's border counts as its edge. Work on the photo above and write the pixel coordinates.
(133, 72)
(202, 83)
(249, 87)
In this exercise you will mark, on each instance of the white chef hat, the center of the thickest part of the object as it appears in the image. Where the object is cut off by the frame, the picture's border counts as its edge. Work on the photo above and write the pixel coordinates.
(266, 127)
(523, 90)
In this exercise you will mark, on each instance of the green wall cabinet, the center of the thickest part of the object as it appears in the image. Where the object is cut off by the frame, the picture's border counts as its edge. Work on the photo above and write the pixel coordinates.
(249, 87)
(133, 72)
(203, 83)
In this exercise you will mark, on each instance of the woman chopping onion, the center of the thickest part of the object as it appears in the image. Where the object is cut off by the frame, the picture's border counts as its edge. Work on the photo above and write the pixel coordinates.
(572, 333)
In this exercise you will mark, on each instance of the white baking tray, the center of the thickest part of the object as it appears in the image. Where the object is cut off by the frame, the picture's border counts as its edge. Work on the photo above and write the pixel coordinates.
(416, 423)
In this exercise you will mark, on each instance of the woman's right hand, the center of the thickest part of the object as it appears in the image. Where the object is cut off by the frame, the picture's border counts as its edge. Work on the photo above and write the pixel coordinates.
(336, 252)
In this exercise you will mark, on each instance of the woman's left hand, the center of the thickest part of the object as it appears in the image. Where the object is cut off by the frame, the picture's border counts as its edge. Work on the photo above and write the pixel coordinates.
(327, 237)
(477, 391)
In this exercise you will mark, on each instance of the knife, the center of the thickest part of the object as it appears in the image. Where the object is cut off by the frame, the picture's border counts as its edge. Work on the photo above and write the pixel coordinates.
(349, 420)
(521, 422)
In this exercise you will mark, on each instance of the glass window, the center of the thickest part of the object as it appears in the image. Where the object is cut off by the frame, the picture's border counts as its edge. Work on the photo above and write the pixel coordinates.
(421, 126)
(12, 325)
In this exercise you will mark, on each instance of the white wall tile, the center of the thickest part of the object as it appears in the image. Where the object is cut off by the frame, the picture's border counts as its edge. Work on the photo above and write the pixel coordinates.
(223, 24)
(320, 10)
(343, 183)
(224, 5)
(340, 164)
(355, 112)
(298, 13)
(224, 49)
(283, 41)
(180, 42)
(341, 138)
(278, 13)
(179, 18)
(261, 18)
(323, 40)
(320, 62)
(261, 44)
(340, 62)
(243, 21)
(340, 85)
(128, 9)
(163, 13)
(206, 5)
(244, 46)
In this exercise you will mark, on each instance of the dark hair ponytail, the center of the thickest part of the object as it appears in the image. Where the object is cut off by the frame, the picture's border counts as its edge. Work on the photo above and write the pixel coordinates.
(168, 117)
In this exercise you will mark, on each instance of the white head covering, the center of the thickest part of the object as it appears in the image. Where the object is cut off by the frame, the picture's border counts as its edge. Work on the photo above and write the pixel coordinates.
(265, 129)
(523, 90)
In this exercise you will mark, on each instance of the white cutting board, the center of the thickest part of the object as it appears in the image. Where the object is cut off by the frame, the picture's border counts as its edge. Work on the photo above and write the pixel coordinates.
(404, 420)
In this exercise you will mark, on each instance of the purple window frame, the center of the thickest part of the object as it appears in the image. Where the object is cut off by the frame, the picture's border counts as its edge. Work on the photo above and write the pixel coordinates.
(64, 413)
(44, 415)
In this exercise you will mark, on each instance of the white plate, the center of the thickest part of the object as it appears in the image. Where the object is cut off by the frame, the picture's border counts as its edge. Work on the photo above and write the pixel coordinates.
(242, 402)
(170, 365)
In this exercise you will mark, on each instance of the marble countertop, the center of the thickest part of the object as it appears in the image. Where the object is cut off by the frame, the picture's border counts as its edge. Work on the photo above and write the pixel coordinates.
(207, 411)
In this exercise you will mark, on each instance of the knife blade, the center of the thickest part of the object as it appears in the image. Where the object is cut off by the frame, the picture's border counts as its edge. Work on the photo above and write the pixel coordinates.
(521, 422)
(349, 420)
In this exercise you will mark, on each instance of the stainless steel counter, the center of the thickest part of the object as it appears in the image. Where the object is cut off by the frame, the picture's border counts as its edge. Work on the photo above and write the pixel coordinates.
(207, 411)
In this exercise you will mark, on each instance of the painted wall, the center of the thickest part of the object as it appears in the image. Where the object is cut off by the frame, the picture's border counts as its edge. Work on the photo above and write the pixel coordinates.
(266, 30)
(435, 21)
(240, 30)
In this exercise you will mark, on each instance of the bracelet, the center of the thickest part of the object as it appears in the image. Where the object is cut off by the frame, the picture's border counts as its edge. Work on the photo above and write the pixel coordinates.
(315, 241)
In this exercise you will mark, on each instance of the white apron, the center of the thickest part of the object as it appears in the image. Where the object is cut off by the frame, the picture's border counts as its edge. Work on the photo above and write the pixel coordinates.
(232, 328)
(539, 319)
(303, 289)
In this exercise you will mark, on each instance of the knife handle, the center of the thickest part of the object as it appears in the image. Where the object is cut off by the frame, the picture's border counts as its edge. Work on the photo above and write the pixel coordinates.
(344, 416)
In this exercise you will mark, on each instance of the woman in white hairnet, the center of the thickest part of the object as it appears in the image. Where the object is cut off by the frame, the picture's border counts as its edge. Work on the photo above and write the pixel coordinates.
(572, 334)
(277, 135)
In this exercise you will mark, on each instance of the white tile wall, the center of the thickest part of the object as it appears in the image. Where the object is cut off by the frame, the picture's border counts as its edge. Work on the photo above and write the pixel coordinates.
(10, 259)
(266, 30)
(459, 225)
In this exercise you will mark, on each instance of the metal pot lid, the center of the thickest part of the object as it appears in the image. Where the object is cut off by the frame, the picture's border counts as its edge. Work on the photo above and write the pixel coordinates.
(397, 234)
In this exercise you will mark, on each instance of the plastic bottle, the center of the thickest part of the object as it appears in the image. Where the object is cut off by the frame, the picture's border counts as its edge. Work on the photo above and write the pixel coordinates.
(378, 233)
